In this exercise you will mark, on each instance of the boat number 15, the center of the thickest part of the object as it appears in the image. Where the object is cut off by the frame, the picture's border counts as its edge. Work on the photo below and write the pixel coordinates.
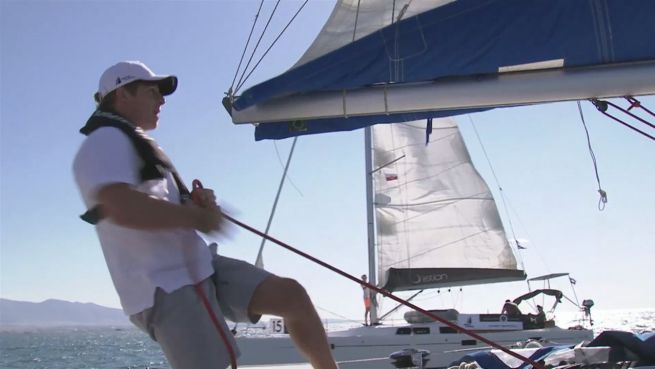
(277, 325)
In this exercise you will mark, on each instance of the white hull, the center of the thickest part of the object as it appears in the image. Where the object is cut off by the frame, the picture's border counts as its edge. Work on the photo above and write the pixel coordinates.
(370, 347)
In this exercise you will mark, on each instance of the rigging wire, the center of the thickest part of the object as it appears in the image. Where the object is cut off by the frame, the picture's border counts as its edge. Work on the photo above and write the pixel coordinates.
(634, 103)
(245, 48)
(528, 235)
(351, 320)
(279, 159)
(603, 195)
(356, 19)
(252, 55)
(393, 310)
(572, 282)
(393, 11)
(243, 80)
(500, 188)
(603, 105)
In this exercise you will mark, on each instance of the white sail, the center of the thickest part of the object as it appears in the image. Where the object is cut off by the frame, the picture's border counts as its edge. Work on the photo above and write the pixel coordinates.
(353, 19)
(436, 220)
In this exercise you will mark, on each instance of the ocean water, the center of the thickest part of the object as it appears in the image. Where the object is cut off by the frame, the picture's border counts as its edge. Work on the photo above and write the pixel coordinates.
(80, 347)
(127, 347)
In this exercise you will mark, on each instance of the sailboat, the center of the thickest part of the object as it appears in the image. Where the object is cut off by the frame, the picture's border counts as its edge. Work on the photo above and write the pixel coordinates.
(436, 226)
(387, 63)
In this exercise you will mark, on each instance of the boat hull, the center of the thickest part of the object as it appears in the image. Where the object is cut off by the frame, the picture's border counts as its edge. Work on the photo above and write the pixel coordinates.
(370, 347)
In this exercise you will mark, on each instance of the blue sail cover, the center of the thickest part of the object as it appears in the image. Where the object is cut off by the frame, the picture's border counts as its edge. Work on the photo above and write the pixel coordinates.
(464, 38)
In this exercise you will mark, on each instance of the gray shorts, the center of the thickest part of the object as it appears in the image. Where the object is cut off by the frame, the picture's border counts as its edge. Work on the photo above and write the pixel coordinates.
(181, 325)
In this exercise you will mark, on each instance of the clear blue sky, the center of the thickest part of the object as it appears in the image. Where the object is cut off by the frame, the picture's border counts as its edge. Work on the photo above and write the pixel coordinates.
(54, 51)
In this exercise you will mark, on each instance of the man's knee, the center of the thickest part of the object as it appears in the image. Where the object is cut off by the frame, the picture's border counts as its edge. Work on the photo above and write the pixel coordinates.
(293, 293)
(280, 296)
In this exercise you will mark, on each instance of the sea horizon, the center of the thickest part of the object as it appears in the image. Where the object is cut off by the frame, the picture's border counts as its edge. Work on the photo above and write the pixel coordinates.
(124, 346)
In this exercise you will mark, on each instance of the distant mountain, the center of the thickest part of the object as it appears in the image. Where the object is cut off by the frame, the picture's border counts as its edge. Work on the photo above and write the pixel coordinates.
(58, 313)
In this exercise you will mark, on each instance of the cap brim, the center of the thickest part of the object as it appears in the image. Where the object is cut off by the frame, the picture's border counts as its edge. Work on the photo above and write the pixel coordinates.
(167, 85)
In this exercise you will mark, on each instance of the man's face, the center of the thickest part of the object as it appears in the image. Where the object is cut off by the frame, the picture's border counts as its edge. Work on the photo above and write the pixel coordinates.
(142, 108)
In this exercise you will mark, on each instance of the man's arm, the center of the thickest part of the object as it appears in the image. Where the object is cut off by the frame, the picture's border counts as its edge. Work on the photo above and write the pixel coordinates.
(133, 209)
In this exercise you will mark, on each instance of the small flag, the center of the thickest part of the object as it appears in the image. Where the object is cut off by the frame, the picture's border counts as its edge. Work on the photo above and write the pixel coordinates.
(390, 177)
(573, 281)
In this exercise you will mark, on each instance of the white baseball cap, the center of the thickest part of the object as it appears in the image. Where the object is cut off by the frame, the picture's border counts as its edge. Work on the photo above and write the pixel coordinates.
(125, 72)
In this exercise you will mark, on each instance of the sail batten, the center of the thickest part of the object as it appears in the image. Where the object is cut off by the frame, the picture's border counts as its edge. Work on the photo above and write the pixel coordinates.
(436, 221)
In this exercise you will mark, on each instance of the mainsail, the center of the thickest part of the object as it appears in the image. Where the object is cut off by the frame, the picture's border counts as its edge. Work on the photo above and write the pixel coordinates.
(382, 61)
(436, 221)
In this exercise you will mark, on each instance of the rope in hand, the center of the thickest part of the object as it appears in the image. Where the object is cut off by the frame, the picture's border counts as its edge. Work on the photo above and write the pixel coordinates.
(385, 293)
(197, 185)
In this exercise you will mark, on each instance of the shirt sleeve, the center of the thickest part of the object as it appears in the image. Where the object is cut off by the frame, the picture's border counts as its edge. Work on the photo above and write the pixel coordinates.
(107, 156)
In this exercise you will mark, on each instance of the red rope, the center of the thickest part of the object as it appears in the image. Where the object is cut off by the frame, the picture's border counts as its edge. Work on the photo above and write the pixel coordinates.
(217, 325)
(196, 184)
(385, 293)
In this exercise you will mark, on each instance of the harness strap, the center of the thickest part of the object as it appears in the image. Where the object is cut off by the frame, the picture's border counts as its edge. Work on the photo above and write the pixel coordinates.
(155, 161)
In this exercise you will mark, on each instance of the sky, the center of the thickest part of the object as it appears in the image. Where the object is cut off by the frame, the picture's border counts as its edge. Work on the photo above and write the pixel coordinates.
(53, 52)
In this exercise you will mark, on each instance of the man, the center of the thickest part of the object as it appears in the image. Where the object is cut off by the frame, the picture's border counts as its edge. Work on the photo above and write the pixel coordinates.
(511, 309)
(539, 320)
(148, 236)
(367, 300)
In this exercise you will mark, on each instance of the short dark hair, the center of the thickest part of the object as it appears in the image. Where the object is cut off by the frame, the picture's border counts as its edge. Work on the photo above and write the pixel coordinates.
(107, 103)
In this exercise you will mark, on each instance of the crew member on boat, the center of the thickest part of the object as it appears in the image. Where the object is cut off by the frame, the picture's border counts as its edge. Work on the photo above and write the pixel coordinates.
(538, 320)
(367, 300)
(511, 309)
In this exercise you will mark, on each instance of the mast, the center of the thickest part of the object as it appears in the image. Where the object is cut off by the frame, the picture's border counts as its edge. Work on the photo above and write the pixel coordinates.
(370, 219)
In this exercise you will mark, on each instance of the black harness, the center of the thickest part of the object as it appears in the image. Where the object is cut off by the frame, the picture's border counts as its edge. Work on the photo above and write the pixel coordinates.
(155, 162)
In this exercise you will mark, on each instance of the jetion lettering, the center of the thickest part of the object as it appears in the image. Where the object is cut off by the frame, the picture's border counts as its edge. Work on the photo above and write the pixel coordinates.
(429, 278)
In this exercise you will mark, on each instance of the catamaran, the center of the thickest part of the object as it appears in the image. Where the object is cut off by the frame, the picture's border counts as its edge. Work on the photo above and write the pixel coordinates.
(436, 226)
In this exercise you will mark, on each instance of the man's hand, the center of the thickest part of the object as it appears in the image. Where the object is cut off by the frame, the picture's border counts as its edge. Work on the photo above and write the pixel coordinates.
(133, 209)
(208, 219)
(204, 197)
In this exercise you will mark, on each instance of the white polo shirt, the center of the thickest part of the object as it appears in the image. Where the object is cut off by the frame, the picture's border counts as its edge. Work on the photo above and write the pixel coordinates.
(139, 261)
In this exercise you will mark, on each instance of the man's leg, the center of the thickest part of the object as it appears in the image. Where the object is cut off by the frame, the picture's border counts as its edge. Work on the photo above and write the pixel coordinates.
(287, 298)
(184, 329)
